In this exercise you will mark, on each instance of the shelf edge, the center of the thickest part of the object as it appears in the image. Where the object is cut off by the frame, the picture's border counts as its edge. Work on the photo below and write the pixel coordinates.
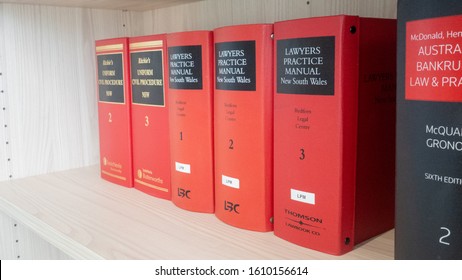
(64, 243)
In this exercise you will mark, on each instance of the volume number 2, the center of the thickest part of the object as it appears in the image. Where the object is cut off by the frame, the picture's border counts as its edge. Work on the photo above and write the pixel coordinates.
(444, 236)
(110, 117)
(231, 144)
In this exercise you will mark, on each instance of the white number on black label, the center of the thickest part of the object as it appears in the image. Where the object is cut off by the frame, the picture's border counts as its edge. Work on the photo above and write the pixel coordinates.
(448, 232)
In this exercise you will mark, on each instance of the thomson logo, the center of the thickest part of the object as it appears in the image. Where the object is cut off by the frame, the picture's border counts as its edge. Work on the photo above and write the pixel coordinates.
(303, 217)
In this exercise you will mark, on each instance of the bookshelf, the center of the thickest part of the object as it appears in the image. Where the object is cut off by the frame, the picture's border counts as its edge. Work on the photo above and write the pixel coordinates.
(48, 116)
(83, 216)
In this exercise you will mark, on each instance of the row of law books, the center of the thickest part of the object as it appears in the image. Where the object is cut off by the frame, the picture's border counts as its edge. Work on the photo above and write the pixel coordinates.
(287, 126)
(292, 126)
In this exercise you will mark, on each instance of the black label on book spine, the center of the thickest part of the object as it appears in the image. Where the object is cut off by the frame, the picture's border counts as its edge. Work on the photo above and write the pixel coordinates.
(185, 67)
(235, 65)
(306, 66)
(111, 78)
(147, 78)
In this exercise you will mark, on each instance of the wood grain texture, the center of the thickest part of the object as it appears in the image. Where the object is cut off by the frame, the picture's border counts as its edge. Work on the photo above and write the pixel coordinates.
(210, 14)
(5, 150)
(49, 66)
(134, 5)
(18, 242)
(35, 239)
(32, 246)
(47, 103)
(8, 246)
(76, 210)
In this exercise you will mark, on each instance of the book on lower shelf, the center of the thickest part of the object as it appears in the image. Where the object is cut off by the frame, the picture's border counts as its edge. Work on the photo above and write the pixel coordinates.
(429, 119)
(151, 152)
(190, 56)
(243, 125)
(113, 88)
(334, 123)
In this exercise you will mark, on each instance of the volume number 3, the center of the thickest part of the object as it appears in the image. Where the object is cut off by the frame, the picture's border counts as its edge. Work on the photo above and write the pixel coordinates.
(302, 154)
(146, 121)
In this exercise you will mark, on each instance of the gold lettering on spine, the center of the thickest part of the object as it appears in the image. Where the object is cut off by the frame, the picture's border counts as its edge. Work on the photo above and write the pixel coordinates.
(148, 44)
(113, 175)
(151, 186)
(108, 48)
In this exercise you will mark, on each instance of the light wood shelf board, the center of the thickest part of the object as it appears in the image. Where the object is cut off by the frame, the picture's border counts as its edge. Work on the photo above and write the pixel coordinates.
(88, 217)
(132, 5)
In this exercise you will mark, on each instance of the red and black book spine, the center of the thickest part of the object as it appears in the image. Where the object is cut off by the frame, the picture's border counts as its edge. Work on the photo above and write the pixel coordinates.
(113, 87)
(151, 152)
(429, 130)
(243, 125)
(190, 64)
(328, 122)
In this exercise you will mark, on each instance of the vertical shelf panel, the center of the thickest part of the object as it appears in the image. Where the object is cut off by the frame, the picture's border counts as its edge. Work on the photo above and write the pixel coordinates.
(8, 246)
(5, 140)
(48, 54)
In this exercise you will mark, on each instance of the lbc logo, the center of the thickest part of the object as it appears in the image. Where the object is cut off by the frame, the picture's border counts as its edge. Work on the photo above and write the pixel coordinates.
(184, 193)
(231, 207)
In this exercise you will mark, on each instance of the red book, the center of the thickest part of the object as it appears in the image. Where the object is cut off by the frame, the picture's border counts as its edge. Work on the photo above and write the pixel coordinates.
(151, 152)
(190, 57)
(334, 130)
(244, 126)
(113, 77)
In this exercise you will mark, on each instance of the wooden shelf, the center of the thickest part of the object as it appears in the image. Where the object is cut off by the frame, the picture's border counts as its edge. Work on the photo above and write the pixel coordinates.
(132, 5)
(88, 218)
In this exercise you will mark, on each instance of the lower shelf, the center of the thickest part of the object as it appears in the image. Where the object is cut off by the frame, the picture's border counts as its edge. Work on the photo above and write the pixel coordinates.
(88, 218)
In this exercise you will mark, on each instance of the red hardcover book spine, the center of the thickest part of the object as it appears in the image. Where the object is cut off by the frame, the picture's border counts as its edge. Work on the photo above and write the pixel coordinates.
(243, 125)
(321, 134)
(190, 57)
(375, 173)
(113, 89)
(151, 152)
